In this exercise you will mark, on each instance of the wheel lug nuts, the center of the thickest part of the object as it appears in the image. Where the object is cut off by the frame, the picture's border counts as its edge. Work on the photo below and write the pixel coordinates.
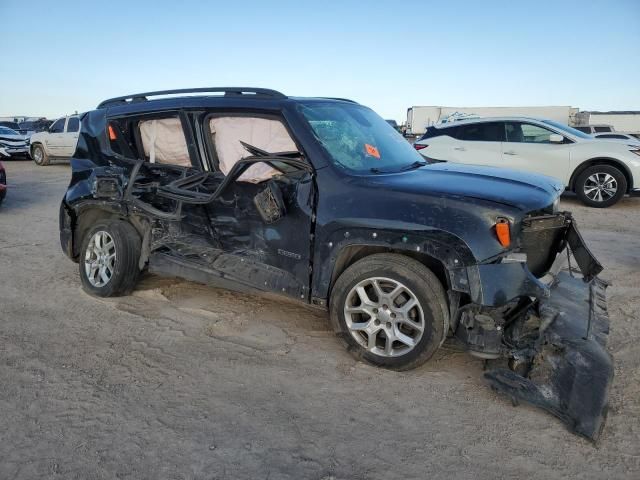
(375, 310)
(388, 325)
(376, 322)
(393, 315)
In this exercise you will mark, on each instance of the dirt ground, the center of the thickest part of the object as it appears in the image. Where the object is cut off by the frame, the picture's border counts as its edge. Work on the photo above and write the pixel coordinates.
(182, 381)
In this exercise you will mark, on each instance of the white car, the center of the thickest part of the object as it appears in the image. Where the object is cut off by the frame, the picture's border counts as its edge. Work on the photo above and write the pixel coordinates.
(12, 143)
(59, 142)
(599, 171)
(618, 137)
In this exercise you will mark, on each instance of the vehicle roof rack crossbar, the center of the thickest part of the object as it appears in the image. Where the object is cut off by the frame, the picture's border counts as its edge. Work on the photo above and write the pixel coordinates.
(228, 92)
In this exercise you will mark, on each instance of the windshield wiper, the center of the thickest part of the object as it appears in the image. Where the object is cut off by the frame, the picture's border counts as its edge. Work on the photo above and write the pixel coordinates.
(414, 165)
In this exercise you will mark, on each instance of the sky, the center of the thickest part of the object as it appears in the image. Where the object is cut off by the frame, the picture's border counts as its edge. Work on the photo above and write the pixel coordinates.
(67, 56)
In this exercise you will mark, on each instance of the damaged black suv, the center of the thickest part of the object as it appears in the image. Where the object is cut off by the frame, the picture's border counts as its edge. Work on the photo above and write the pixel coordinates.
(320, 200)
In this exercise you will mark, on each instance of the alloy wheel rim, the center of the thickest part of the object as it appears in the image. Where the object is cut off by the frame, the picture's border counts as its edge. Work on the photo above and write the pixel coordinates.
(37, 155)
(384, 316)
(600, 187)
(100, 259)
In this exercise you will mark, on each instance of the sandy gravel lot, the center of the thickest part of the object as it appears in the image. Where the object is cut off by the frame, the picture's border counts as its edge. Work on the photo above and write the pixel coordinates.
(182, 381)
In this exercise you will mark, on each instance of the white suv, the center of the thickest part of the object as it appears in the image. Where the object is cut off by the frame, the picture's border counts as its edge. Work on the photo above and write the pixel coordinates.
(599, 171)
(57, 142)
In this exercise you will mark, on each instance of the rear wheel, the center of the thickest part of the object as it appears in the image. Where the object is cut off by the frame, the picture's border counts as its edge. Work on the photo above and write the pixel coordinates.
(390, 310)
(109, 259)
(39, 156)
(601, 186)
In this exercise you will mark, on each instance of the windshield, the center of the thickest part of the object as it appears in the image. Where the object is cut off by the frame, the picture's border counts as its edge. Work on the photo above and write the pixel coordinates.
(568, 129)
(8, 131)
(357, 139)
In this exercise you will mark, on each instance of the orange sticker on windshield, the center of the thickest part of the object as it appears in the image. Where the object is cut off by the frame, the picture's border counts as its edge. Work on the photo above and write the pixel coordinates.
(371, 150)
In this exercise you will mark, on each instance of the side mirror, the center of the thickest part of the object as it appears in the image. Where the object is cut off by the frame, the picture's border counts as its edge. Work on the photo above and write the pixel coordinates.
(556, 138)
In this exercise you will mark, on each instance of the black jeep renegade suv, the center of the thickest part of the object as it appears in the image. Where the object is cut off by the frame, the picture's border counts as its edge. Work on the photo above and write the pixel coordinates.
(319, 199)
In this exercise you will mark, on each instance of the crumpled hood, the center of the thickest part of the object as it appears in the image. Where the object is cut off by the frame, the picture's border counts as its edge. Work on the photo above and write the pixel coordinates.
(522, 190)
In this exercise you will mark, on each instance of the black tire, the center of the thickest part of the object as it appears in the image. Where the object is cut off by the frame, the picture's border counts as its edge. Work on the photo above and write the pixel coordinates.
(584, 181)
(125, 269)
(424, 285)
(38, 151)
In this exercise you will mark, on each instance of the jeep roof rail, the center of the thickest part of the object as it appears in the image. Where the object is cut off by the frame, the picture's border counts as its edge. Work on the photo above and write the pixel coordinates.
(228, 92)
(341, 99)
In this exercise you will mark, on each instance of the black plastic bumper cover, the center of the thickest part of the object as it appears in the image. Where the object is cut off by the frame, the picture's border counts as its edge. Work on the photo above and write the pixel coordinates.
(571, 371)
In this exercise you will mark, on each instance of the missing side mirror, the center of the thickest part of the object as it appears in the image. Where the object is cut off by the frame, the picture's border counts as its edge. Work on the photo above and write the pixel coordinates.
(270, 203)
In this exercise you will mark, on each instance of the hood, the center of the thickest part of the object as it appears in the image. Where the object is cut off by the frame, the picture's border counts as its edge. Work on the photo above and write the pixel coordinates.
(522, 190)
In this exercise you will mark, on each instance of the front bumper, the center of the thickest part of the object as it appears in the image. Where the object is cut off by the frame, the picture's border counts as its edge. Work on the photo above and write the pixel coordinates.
(13, 151)
(559, 361)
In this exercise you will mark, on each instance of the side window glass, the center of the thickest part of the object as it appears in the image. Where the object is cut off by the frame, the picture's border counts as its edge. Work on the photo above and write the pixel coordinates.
(163, 141)
(526, 133)
(73, 125)
(482, 132)
(58, 126)
(266, 134)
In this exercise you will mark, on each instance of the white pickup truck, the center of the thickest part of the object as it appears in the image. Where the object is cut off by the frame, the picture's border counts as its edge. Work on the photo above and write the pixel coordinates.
(59, 142)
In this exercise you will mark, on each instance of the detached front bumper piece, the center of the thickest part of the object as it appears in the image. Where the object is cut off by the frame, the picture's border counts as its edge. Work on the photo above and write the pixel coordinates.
(559, 361)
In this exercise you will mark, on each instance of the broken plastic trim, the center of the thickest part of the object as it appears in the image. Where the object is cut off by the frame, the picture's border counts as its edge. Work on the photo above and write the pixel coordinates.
(567, 369)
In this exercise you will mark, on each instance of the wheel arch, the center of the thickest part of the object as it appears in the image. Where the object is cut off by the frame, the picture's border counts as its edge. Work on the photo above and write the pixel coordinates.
(89, 214)
(602, 161)
(350, 254)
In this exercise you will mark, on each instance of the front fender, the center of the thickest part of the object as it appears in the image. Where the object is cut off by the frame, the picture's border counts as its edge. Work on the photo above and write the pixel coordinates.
(448, 249)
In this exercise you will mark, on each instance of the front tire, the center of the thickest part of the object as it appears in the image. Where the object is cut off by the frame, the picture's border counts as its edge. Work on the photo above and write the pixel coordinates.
(109, 259)
(390, 310)
(39, 156)
(600, 186)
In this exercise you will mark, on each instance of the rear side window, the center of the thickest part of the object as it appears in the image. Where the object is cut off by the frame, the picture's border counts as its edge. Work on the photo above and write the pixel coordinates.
(481, 132)
(433, 132)
(58, 126)
(73, 125)
(602, 129)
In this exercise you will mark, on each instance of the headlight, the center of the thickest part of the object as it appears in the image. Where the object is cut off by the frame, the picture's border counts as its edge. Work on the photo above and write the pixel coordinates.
(636, 151)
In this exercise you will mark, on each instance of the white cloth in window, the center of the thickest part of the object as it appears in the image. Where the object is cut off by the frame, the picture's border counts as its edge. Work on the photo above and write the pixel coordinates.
(163, 141)
(266, 134)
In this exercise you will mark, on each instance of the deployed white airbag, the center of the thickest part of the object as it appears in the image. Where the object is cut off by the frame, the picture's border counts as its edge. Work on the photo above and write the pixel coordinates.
(163, 141)
(265, 134)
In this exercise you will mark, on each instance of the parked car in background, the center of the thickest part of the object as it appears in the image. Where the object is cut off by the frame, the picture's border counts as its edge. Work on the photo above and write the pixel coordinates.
(618, 137)
(321, 201)
(600, 172)
(591, 129)
(29, 127)
(3, 182)
(12, 143)
(15, 126)
(58, 142)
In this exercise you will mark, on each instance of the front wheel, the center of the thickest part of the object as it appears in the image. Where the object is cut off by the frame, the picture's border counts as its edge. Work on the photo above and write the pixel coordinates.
(390, 310)
(601, 186)
(109, 259)
(39, 156)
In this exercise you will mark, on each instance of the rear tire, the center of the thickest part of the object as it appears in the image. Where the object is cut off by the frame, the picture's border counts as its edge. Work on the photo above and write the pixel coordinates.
(39, 155)
(109, 259)
(389, 310)
(600, 186)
